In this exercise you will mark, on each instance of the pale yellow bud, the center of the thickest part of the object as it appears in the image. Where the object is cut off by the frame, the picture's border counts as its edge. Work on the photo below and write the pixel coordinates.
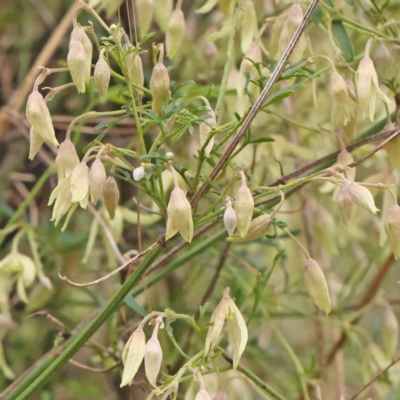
(132, 356)
(390, 332)
(159, 87)
(258, 228)
(179, 216)
(392, 229)
(79, 35)
(345, 158)
(244, 206)
(111, 196)
(77, 64)
(316, 285)
(79, 183)
(39, 116)
(202, 395)
(249, 25)
(345, 203)
(97, 180)
(343, 109)
(152, 360)
(35, 143)
(175, 33)
(162, 13)
(134, 67)
(102, 75)
(67, 159)
(361, 196)
(230, 218)
(144, 10)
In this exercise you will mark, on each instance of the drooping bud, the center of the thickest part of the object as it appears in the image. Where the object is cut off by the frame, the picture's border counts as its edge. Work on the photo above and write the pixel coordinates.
(343, 109)
(258, 228)
(210, 52)
(175, 33)
(79, 183)
(390, 332)
(144, 10)
(202, 395)
(244, 206)
(152, 360)
(169, 155)
(77, 65)
(205, 129)
(317, 286)
(159, 87)
(162, 13)
(179, 216)
(97, 180)
(345, 203)
(368, 87)
(139, 173)
(134, 67)
(249, 26)
(221, 396)
(35, 143)
(230, 217)
(67, 159)
(111, 196)
(79, 35)
(345, 158)
(361, 196)
(132, 356)
(39, 116)
(102, 75)
(392, 229)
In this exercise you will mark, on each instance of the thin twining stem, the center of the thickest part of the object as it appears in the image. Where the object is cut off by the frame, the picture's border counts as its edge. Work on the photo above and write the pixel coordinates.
(129, 262)
(258, 104)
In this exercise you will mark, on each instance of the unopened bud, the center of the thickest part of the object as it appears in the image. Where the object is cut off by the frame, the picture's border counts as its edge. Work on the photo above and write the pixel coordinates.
(249, 26)
(343, 109)
(202, 395)
(134, 67)
(77, 64)
(111, 196)
(390, 332)
(144, 10)
(258, 228)
(169, 155)
(175, 33)
(79, 182)
(139, 173)
(67, 159)
(35, 143)
(247, 67)
(244, 206)
(316, 285)
(179, 216)
(162, 13)
(97, 180)
(210, 52)
(361, 196)
(152, 360)
(230, 218)
(345, 203)
(159, 87)
(102, 75)
(221, 396)
(132, 356)
(39, 116)
(292, 22)
(392, 229)
(79, 35)
(345, 158)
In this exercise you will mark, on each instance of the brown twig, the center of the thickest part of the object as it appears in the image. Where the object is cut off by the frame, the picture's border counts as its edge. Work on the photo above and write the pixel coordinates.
(87, 368)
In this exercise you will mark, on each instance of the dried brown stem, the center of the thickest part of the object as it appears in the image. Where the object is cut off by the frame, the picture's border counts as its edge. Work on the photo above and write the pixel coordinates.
(87, 368)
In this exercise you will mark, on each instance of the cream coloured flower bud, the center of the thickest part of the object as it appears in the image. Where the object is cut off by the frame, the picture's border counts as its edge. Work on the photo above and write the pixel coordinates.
(316, 285)
(152, 360)
(221, 396)
(79, 182)
(139, 173)
(345, 203)
(205, 129)
(132, 356)
(111, 196)
(368, 87)
(159, 87)
(77, 65)
(390, 332)
(67, 159)
(144, 10)
(210, 52)
(169, 155)
(35, 143)
(102, 75)
(162, 13)
(343, 109)
(345, 158)
(249, 25)
(230, 218)
(361, 196)
(202, 395)
(244, 206)
(39, 116)
(179, 216)
(134, 67)
(79, 35)
(175, 33)
(97, 180)
(392, 229)
(258, 228)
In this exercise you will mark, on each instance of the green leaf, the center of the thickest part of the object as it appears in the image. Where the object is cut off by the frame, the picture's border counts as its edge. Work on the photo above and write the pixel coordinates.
(341, 35)
(329, 3)
(317, 15)
(283, 93)
(262, 140)
(131, 303)
(350, 2)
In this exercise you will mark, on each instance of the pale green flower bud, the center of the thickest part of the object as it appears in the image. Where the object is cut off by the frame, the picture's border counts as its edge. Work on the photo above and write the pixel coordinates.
(392, 229)
(102, 75)
(152, 360)
(97, 180)
(79, 35)
(67, 159)
(258, 228)
(244, 206)
(77, 64)
(132, 356)
(111, 196)
(249, 25)
(343, 110)
(179, 216)
(317, 286)
(202, 395)
(144, 10)
(345, 158)
(390, 332)
(159, 87)
(79, 183)
(35, 143)
(175, 33)
(361, 196)
(134, 67)
(39, 116)
(230, 218)
(162, 13)
(345, 203)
